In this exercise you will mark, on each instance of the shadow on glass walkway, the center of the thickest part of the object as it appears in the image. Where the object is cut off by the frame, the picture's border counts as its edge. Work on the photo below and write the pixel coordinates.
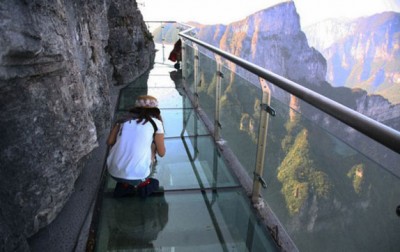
(200, 205)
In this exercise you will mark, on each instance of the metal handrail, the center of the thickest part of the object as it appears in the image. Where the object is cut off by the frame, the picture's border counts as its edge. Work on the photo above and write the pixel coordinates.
(381, 133)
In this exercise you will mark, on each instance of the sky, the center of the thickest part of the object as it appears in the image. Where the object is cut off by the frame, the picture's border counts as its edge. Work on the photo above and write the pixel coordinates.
(227, 11)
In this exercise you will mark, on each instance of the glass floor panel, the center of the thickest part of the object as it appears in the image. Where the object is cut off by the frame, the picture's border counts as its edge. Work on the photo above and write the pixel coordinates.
(162, 80)
(162, 69)
(200, 205)
(185, 221)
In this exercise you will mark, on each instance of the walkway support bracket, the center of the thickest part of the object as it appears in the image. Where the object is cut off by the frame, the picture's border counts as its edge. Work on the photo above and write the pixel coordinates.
(261, 180)
(270, 110)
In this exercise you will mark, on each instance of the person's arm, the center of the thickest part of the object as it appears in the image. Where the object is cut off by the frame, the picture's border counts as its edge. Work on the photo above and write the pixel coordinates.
(160, 146)
(112, 138)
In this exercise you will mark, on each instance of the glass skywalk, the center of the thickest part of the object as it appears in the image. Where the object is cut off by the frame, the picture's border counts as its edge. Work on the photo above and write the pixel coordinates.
(200, 206)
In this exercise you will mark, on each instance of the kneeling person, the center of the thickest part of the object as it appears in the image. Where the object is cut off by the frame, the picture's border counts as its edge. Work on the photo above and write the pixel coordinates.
(135, 140)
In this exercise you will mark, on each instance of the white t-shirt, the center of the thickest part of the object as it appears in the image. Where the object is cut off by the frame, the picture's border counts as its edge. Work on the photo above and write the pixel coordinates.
(130, 157)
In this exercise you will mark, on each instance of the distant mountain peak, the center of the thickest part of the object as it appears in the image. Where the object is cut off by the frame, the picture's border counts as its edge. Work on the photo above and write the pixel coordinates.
(282, 17)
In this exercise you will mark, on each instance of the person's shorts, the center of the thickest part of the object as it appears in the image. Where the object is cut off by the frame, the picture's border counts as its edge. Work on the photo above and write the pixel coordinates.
(133, 182)
(136, 182)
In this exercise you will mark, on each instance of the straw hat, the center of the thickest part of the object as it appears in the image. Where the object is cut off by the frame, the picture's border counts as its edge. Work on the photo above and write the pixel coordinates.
(146, 101)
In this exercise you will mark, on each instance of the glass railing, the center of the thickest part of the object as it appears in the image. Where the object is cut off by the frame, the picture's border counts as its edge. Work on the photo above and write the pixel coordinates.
(323, 178)
(330, 178)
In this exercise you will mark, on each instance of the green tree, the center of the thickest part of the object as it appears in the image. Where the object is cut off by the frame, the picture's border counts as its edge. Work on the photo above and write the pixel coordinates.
(300, 176)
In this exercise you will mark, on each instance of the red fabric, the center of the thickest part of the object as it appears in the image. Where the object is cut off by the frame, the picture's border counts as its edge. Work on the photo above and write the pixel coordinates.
(175, 54)
(172, 56)
(144, 183)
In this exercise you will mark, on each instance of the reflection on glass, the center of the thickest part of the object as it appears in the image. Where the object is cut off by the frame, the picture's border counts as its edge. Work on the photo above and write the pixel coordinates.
(317, 185)
(322, 188)
(186, 221)
(207, 86)
(131, 223)
(189, 67)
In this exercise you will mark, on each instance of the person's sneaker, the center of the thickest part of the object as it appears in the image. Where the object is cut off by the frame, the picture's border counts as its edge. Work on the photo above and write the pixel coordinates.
(147, 187)
(144, 183)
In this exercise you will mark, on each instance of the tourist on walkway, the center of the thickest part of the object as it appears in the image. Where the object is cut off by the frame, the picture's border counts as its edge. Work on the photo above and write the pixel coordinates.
(135, 140)
(176, 54)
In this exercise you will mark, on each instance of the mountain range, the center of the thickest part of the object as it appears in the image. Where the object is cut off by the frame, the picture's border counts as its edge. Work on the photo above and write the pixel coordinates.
(362, 53)
(273, 39)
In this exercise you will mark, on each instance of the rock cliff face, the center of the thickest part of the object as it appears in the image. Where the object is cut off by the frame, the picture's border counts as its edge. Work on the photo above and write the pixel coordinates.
(271, 38)
(128, 45)
(58, 62)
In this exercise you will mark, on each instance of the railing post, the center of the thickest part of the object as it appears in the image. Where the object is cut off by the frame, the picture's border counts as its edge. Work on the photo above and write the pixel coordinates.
(217, 124)
(258, 180)
(183, 62)
(196, 75)
(196, 91)
(162, 42)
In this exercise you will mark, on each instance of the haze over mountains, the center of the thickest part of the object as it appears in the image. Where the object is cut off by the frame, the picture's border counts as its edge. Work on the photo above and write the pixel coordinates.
(361, 53)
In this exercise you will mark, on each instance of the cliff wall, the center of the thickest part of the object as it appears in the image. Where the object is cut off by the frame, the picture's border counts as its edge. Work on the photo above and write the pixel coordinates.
(59, 61)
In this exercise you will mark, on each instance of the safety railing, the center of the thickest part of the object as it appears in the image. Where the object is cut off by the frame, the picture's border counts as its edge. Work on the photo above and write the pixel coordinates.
(328, 171)
(371, 128)
(313, 172)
